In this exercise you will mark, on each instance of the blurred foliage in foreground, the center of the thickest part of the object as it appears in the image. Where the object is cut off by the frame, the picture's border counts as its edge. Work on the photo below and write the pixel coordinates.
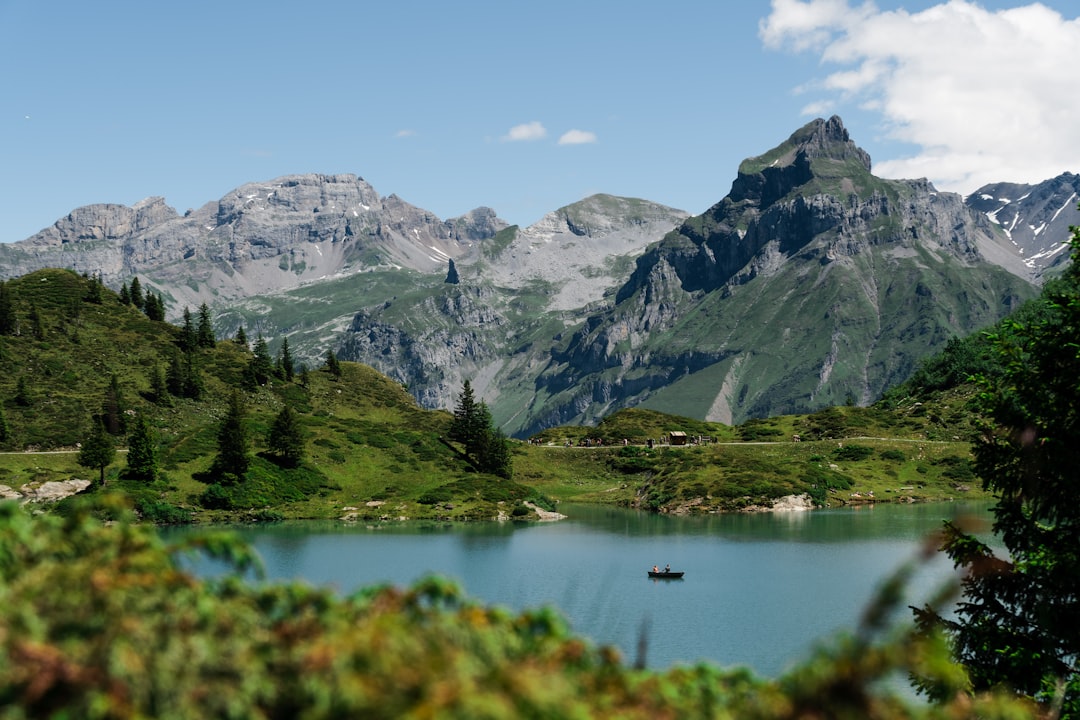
(99, 621)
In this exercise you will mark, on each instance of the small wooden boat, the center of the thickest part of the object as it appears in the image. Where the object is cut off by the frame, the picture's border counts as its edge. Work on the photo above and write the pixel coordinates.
(666, 574)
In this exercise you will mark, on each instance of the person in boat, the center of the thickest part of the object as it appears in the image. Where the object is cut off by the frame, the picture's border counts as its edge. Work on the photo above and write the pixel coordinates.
(655, 569)
(667, 568)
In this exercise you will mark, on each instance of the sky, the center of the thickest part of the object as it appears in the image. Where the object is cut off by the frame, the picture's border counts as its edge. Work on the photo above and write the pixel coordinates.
(523, 107)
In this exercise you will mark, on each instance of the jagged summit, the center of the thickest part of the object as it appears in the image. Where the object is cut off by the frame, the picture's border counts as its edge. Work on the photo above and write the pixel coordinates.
(821, 150)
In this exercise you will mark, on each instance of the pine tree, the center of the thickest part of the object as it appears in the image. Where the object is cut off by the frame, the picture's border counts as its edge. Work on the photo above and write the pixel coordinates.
(495, 455)
(205, 332)
(260, 368)
(188, 339)
(142, 461)
(193, 381)
(97, 451)
(232, 461)
(332, 365)
(125, 296)
(95, 292)
(467, 425)
(174, 377)
(241, 337)
(137, 298)
(22, 393)
(285, 361)
(286, 438)
(5, 431)
(9, 322)
(486, 447)
(154, 307)
(452, 274)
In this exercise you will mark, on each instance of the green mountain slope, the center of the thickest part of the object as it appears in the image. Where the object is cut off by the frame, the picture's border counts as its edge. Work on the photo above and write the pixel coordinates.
(812, 284)
(370, 451)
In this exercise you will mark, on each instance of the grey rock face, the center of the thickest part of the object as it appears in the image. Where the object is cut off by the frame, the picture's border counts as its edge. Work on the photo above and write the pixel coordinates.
(812, 283)
(260, 238)
(1036, 218)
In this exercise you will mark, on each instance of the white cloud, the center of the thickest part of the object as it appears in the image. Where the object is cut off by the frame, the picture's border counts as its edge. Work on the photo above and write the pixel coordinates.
(404, 133)
(577, 137)
(526, 131)
(984, 95)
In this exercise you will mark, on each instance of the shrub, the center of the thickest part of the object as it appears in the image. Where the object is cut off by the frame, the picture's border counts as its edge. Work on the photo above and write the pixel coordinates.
(217, 497)
(853, 453)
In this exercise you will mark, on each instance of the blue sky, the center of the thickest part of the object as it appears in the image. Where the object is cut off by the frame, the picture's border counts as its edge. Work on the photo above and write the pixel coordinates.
(522, 107)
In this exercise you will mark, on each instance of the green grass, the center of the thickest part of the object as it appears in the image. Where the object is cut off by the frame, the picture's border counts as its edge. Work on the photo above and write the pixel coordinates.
(372, 453)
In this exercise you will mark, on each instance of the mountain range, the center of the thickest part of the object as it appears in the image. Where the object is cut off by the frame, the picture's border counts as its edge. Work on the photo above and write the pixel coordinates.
(812, 283)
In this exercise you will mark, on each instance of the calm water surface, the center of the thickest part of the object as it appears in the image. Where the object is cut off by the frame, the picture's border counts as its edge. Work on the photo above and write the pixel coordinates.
(760, 590)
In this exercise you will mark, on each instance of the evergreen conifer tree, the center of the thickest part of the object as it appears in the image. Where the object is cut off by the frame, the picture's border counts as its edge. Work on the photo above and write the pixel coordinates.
(486, 447)
(193, 381)
(233, 460)
(467, 425)
(97, 451)
(205, 332)
(142, 463)
(285, 361)
(286, 438)
(174, 377)
(137, 297)
(5, 431)
(125, 296)
(241, 337)
(154, 307)
(332, 365)
(188, 340)
(452, 274)
(22, 393)
(95, 292)
(261, 366)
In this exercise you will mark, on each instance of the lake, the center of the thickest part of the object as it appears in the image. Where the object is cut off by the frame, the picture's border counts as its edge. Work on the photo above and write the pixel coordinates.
(760, 589)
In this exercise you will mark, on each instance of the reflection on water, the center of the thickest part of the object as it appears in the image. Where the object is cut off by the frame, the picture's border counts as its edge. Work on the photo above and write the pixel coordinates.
(759, 590)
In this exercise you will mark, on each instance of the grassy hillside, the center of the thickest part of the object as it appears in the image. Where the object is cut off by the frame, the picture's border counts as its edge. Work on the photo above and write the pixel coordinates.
(371, 453)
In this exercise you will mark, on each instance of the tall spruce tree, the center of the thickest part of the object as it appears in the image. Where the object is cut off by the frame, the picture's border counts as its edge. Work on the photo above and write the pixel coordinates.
(22, 393)
(137, 297)
(188, 339)
(260, 369)
(286, 438)
(233, 459)
(97, 451)
(285, 361)
(205, 331)
(332, 365)
(142, 463)
(486, 446)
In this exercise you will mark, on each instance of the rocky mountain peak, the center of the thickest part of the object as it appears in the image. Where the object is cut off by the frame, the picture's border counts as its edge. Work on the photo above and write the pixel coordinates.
(821, 149)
